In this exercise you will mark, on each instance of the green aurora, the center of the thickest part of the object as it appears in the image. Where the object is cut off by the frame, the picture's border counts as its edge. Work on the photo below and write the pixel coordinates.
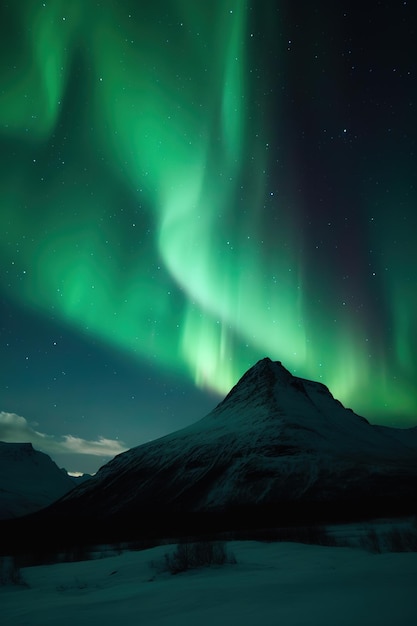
(150, 197)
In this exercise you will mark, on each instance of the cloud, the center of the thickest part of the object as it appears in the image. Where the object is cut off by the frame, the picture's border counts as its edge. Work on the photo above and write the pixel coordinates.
(16, 429)
(101, 447)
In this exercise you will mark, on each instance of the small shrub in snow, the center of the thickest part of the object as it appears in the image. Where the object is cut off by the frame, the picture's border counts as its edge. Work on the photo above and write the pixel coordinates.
(10, 573)
(401, 540)
(195, 555)
(371, 541)
(393, 540)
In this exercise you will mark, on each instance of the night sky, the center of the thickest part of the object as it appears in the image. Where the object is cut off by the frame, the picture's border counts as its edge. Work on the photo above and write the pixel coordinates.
(189, 186)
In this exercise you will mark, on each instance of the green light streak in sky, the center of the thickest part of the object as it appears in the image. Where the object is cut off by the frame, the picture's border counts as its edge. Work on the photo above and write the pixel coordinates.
(34, 79)
(192, 278)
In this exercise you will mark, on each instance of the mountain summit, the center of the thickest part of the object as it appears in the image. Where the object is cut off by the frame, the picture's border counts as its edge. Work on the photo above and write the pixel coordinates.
(277, 448)
(275, 438)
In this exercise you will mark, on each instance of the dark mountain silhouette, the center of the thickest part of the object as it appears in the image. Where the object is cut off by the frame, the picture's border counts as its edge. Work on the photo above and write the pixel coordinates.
(278, 449)
(29, 480)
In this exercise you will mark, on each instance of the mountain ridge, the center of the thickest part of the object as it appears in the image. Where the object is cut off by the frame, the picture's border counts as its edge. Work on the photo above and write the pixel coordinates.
(269, 414)
(276, 449)
(29, 480)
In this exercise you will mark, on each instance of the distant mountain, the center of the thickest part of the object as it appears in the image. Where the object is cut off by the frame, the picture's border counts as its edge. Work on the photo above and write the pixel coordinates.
(277, 449)
(29, 480)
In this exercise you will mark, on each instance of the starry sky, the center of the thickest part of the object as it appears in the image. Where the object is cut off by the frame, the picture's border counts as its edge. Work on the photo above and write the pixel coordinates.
(189, 186)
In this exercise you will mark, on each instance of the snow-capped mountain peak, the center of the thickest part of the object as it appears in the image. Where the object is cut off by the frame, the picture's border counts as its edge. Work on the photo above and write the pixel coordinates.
(275, 438)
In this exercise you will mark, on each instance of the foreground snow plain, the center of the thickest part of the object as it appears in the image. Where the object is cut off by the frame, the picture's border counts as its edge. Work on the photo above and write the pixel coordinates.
(272, 584)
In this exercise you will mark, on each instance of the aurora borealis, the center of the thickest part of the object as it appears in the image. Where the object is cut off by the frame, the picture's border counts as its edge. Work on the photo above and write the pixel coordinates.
(189, 186)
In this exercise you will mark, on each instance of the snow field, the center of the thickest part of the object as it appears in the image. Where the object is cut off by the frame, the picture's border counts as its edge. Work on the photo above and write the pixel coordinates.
(272, 584)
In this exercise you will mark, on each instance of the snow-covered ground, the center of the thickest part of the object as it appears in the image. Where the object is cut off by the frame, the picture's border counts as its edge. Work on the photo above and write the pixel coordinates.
(275, 584)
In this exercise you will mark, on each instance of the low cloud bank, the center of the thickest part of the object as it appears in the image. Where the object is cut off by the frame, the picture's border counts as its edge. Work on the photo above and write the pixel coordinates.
(16, 429)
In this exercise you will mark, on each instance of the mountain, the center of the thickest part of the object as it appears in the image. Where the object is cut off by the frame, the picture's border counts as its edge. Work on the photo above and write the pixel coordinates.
(277, 449)
(406, 436)
(29, 480)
